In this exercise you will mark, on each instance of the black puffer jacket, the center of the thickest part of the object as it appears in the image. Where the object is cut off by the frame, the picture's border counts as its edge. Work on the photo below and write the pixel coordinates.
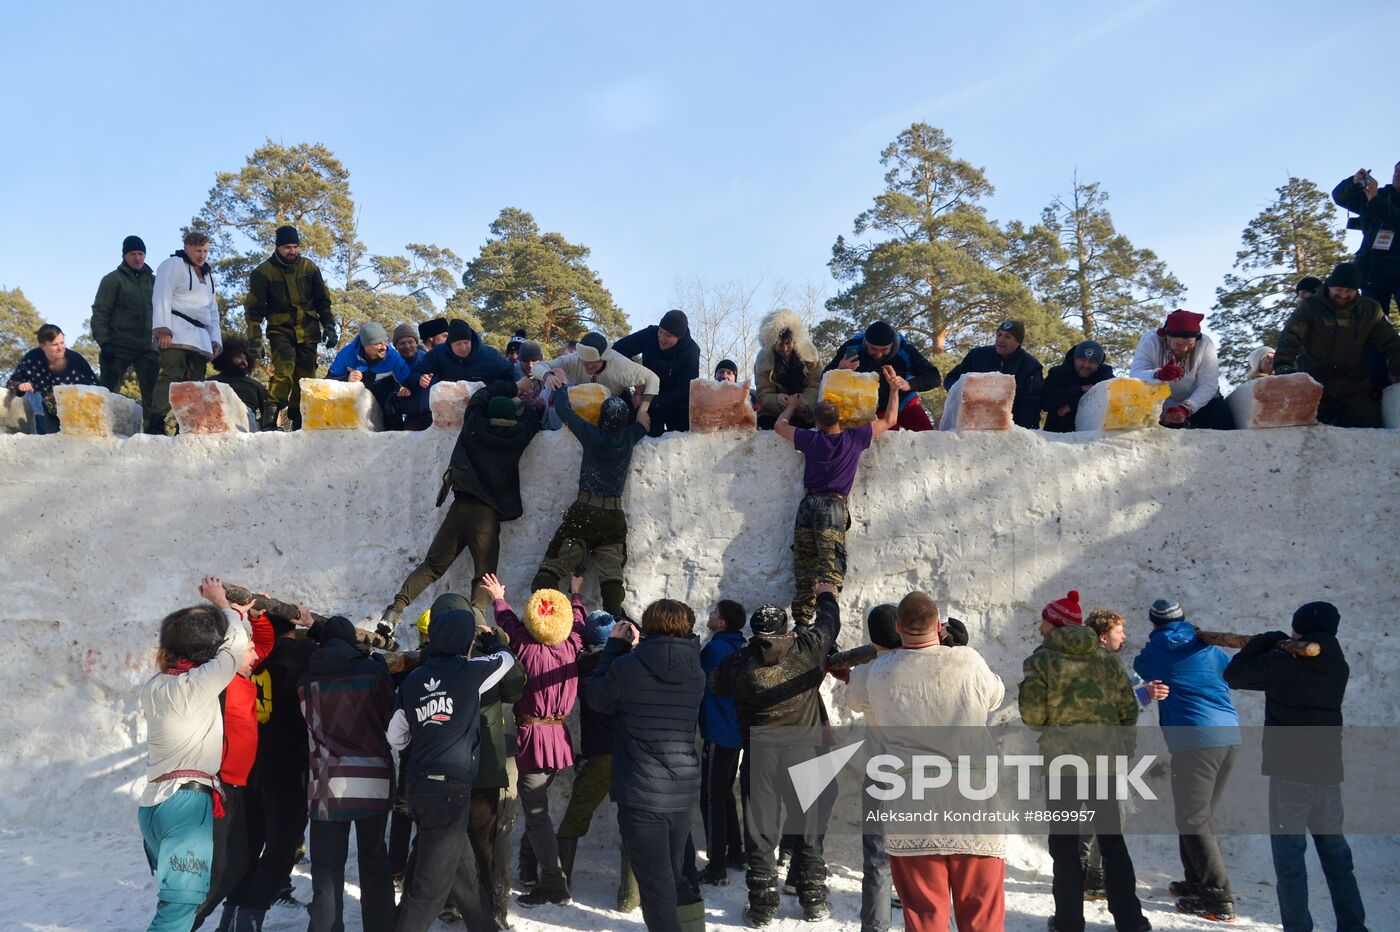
(1063, 386)
(676, 367)
(1299, 692)
(774, 678)
(655, 692)
(486, 459)
(1030, 379)
(597, 732)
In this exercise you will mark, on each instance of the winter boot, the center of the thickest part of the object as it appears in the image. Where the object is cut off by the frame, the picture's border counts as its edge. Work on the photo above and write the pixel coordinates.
(568, 848)
(812, 898)
(629, 896)
(500, 904)
(714, 875)
(392, 614)
(1181, 888)
(763, 900)
(248, 920)
(542, 894)
(1216, 910)
(692, 916)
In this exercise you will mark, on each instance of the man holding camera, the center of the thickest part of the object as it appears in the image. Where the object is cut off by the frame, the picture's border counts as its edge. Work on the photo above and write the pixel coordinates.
(1378, 218)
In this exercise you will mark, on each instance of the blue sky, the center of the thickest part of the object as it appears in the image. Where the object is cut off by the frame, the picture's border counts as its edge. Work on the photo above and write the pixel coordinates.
(715, 140)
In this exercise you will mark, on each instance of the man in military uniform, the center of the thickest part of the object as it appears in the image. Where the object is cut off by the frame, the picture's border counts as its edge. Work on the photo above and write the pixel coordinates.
(121, 323)
(287, 292)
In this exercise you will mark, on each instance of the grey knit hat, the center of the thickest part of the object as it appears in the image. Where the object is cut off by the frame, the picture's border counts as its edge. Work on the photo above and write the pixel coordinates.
(372, 333)
(1165, 610)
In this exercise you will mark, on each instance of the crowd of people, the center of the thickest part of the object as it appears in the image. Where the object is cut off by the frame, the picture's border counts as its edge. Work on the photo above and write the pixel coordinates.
(260, 735)
(165, 326)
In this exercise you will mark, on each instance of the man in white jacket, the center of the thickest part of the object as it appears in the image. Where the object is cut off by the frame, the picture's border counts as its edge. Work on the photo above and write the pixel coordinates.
(201, 648)
(1179, 354)
(184, 322)
(594, 361)
(914, 688)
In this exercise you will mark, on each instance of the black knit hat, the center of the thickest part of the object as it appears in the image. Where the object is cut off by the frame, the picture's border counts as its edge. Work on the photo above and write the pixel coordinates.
(459, 330)
(727, 364)
(133, 244)
(431, 328)
(880, 334)
(676, 324)
(1310, 285)
(1317, 618)
(1089, 349)
(769, 619)
(288, 236)
(513, 346)
(880, 625)
(1014, 327)
(1345, 275)
(337, 628)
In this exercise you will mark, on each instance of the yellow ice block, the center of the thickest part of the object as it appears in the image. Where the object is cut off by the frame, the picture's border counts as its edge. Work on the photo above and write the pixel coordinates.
(855, 394)
(92, 411)
(1133, 404)
(587, 400)
(327, 404)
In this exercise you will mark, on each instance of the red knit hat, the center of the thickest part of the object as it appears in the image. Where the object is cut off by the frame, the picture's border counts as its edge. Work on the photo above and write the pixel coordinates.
(1182, 324)
(1064, 611)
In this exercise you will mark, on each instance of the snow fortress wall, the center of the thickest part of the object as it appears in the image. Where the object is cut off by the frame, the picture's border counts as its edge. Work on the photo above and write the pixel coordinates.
(105, 537)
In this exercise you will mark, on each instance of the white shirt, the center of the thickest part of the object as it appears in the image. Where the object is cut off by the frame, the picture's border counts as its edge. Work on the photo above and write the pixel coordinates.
(1199, 384)
(186, 306)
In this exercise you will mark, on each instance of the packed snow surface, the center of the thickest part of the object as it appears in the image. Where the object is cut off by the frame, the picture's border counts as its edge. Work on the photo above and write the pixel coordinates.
(104, 537)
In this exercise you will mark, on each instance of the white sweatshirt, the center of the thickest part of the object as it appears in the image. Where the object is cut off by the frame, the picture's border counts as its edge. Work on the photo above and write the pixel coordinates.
(617, 376)
(178, 291)
(184, 724)
(1197, 387)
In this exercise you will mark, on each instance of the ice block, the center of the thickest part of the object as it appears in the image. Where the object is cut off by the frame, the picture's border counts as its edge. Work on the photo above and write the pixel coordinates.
(720, 406)
(855, 394)
(92, 411)
(448, 402)
(1121, 404)
(587, 400)
(1276, 401)
(208, 408)
(979, 401)
(1390, 407)
(327, 404)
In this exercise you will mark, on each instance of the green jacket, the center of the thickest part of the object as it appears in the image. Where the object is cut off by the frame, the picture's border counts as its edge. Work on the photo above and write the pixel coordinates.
(292, 299)
(1071, 681)
(121, 312)
(491, 760)
(1330, 345)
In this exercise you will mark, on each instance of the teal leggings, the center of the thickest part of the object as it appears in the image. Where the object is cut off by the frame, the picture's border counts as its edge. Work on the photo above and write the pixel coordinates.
(179, 837)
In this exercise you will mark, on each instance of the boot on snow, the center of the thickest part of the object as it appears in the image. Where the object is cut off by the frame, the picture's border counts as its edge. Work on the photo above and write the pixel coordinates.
(763, 900)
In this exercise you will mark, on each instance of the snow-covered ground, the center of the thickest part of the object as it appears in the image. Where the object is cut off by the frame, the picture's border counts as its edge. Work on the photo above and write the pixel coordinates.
(104, 538)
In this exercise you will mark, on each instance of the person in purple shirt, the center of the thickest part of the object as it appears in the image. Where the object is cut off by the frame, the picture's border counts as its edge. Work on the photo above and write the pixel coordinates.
(833, 455)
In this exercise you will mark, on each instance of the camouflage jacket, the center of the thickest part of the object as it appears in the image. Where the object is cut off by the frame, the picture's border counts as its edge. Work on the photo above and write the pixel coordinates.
(1071, 681)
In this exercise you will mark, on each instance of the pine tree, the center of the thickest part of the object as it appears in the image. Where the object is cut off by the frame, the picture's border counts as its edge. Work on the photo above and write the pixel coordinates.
(929, 261)
(19, 320)
(537, 282)
(1109, 289)
(1295, 236)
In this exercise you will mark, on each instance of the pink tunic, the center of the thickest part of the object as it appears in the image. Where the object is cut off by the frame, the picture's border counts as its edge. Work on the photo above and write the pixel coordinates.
(551, 689)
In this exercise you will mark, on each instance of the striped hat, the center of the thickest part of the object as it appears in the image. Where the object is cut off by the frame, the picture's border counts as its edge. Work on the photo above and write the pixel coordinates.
(1165, 610)
(1064, 611)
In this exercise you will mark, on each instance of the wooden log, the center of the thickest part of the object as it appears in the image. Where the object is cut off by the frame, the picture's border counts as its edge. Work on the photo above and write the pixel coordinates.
(1236, 641)
(382, 638)
(852, 658)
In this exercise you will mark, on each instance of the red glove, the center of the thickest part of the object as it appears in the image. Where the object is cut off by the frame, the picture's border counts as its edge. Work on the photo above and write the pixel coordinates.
(1169, 373)
(1184, 411)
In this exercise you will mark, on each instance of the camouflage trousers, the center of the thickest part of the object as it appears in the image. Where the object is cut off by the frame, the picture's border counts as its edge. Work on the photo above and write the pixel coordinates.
(593, 530)
(291, 362)
(818, 549)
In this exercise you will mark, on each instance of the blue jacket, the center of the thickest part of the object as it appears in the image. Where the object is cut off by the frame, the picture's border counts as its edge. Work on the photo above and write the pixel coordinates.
(1200, 697)
(352, 357)
(719, 722)
(417, 400)
(483, 364)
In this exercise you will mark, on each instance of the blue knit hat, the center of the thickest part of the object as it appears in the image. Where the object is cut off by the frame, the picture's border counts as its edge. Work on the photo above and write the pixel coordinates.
(597, 627)
(1165, 610)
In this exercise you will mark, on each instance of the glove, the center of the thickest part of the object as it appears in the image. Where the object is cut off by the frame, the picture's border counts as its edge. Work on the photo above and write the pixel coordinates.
(1262, 643)
(332, 335)
(1169, 373)
(487, 643)
(954, 633)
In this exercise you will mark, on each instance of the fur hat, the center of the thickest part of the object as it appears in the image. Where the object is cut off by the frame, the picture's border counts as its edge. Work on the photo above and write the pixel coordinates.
(771, 328)
(431, 328)
(1256, 358)
(549, 617)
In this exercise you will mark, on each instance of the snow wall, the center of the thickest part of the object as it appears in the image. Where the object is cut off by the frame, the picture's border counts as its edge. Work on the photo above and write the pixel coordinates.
(103, 538)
